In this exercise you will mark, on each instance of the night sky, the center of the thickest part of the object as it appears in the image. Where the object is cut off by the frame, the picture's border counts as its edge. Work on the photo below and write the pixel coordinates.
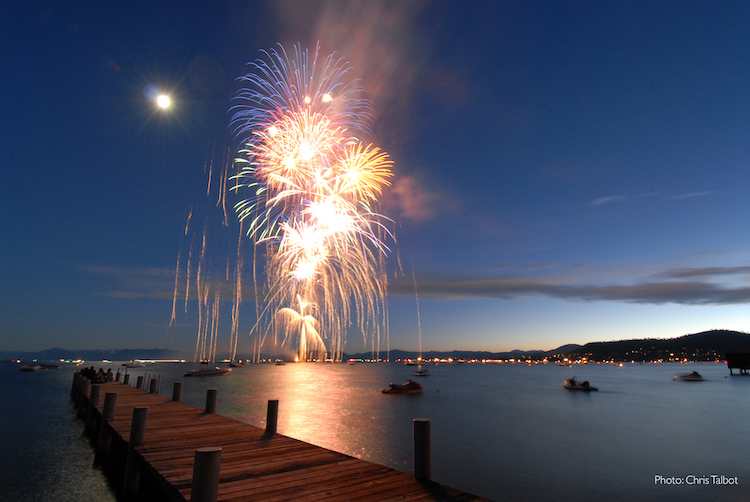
(566, 172)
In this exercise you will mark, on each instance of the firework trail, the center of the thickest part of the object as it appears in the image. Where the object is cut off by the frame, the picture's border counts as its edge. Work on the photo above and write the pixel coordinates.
(311, 184)
(213, 270)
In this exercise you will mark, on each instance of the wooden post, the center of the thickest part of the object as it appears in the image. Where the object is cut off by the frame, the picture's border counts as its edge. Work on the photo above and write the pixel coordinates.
(206, 469)
(83, 396)
(272, 417)
(90, 422)
(126, 379)
(139, 382)
(110, 405)
(74, 389)
(104, 442)
(138, 426)
(177, 392)
(132, 464)
(422, 449)
(211, 396)
(117, 376)
(154, 387)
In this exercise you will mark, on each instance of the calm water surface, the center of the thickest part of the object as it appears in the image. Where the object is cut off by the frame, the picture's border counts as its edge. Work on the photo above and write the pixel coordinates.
(43, 456)
(506, 432)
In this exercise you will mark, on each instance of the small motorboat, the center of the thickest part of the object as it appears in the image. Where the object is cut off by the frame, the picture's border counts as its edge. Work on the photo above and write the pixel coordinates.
(422, 373)
(689, 377)
(134, 364)
(233, 364)
(410, 387)
(280, 362)
(31, 367)
(208, 372)
(572, 384)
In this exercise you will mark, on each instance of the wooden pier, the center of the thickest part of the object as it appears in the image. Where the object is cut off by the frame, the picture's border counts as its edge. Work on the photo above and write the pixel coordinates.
(255, 464)
(740, 361)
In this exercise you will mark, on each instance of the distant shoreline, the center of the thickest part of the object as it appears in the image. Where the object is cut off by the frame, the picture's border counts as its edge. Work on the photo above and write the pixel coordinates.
(705, 346)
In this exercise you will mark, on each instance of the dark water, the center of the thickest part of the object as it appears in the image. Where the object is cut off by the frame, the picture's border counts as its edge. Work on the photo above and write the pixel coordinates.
(42, 454)
(506, 432)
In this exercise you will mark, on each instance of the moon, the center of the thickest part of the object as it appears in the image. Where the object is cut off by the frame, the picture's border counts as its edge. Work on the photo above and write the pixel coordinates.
(163, 101)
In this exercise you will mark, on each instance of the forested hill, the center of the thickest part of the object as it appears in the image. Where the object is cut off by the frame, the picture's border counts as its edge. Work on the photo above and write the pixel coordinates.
(705, 346)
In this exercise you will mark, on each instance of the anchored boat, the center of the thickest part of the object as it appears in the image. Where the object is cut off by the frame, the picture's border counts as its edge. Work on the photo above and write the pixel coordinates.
(689, 377)
(410, 387)
(208, 372)
(572, 384)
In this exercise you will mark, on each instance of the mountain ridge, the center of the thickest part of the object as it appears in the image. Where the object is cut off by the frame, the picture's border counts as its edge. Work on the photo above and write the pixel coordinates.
(703, 346)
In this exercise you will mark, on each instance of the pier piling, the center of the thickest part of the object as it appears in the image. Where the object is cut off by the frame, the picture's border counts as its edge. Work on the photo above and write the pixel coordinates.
(422, 449)
(110, 406)
(177, 392)
(91, 411)
(83, 396)
(206, 469)
(211, 396)
(272, 416)
(154, 386)
(132, 463)
(104, 439)
(74, 388)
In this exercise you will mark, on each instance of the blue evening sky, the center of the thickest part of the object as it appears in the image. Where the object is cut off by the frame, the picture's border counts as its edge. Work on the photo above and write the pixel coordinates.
(567, 171)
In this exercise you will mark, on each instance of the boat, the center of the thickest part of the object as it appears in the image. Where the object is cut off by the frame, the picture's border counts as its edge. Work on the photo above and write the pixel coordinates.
(233, 364)
(689, 377)
(410, 387)
(208, 372)
(572, 384)
(31, 367)
(280, 362)
(422, 373)
(133, 364)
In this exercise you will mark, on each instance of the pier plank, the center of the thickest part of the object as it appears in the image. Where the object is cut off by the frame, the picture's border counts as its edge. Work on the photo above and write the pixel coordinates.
(256, 465)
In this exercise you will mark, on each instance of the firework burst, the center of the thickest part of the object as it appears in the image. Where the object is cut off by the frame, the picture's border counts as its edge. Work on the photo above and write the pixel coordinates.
(312, 185)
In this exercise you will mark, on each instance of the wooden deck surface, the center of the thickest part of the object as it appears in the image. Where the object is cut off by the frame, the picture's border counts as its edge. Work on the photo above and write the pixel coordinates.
(254, 465)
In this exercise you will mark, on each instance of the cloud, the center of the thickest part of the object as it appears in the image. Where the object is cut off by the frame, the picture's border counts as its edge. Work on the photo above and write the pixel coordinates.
(128, 272)
(656, 292)
(411, 200)
(690, 195)
(682, 273)
(160, 295)
(378, 38)
(143, 282)
(607, 200)
(626, 198)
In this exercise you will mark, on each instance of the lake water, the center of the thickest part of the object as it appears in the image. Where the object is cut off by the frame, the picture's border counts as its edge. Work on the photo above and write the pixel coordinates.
(508, 432)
